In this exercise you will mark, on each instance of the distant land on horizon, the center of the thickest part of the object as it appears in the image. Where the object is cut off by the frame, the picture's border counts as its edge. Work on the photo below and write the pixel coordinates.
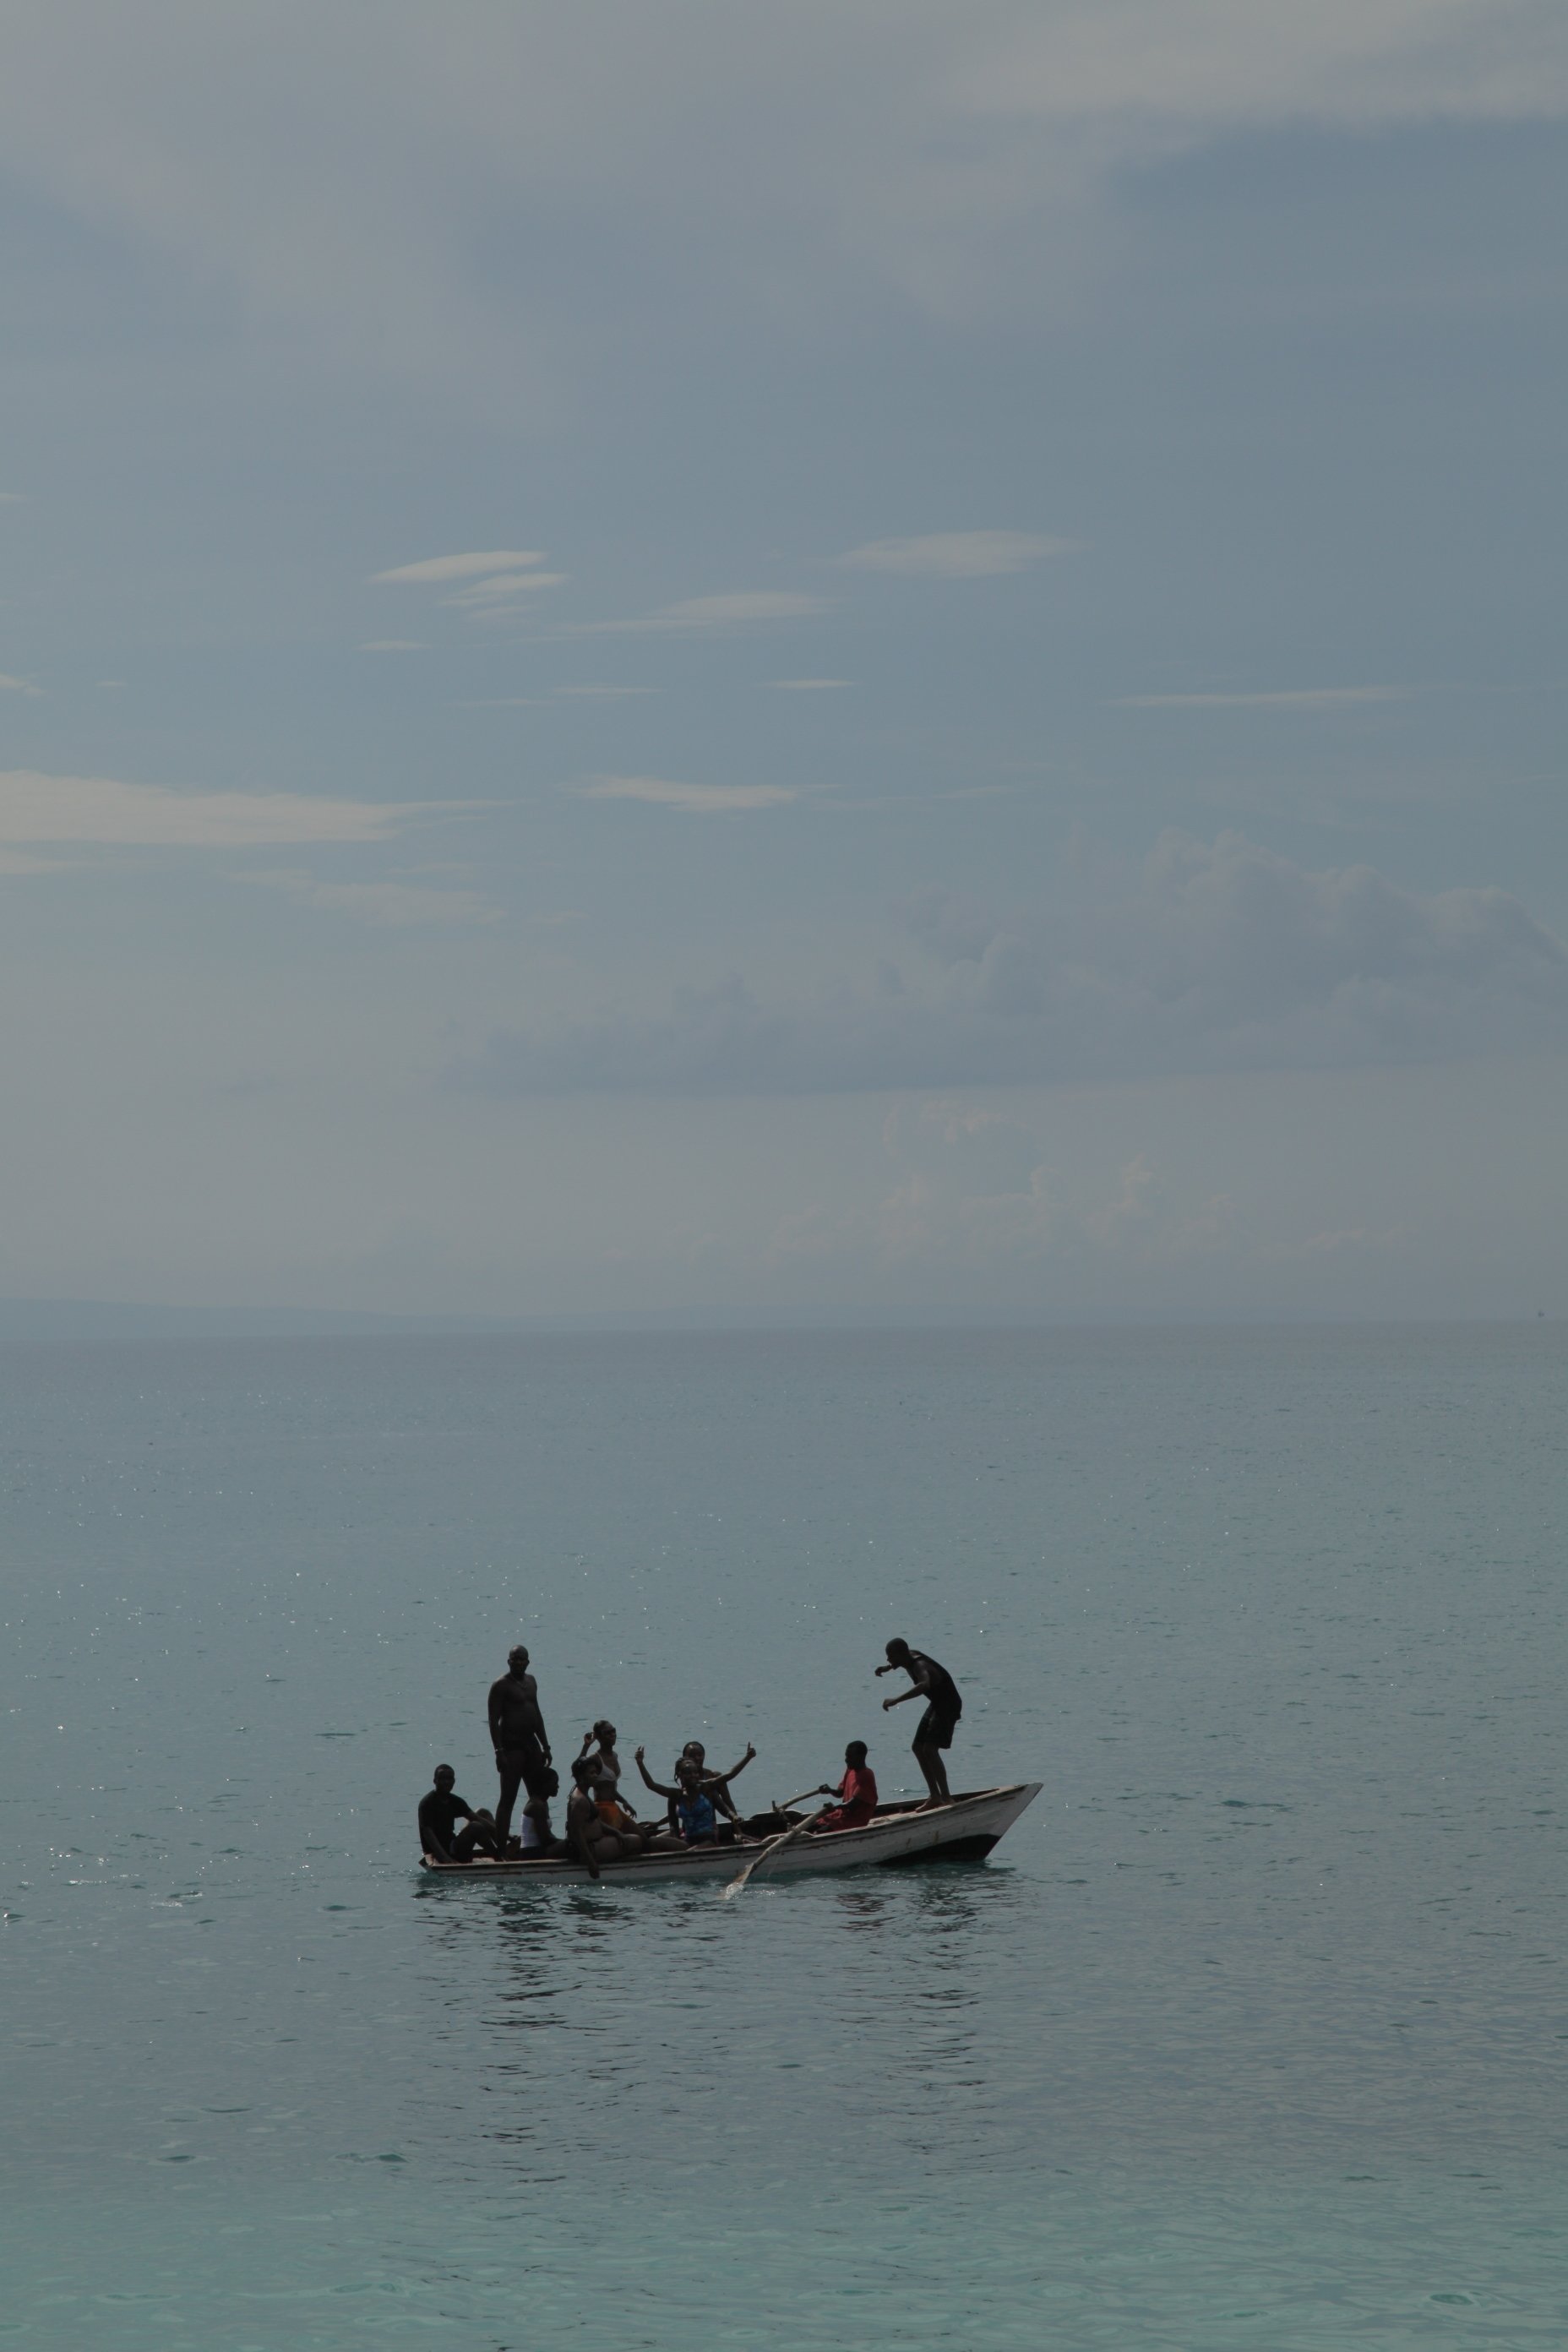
(67, 1320)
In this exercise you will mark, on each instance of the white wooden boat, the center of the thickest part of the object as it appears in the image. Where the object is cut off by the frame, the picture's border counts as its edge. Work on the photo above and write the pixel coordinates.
(964, 1830)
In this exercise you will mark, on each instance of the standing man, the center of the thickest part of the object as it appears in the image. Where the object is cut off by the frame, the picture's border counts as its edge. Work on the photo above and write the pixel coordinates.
(519, 1738)
(937, 1725)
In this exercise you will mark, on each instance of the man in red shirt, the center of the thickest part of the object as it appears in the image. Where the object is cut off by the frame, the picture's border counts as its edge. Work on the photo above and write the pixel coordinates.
(856, 1792)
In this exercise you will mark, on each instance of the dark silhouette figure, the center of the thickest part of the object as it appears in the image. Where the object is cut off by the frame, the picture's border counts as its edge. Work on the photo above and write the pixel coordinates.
(519, 1738)
(439, 1814)
(936, 1727)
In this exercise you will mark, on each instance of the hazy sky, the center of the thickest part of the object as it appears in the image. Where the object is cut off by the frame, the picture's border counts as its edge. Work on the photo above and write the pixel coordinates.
(670, 653)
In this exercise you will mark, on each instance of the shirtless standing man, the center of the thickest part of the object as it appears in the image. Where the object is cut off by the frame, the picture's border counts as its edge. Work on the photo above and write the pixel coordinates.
(936, 1727)
(519, 1738)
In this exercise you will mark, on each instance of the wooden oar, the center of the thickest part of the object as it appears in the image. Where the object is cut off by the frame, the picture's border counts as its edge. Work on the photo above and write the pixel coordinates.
(772, 1847)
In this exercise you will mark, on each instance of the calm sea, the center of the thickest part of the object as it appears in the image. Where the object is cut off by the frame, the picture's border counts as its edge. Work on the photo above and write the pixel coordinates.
(1251, 2034)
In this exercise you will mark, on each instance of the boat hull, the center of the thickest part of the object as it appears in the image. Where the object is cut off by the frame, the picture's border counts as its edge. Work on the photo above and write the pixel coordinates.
(965, 1830)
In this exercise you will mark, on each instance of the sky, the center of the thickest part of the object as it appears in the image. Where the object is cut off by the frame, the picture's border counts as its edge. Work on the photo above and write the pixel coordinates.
(672, 656)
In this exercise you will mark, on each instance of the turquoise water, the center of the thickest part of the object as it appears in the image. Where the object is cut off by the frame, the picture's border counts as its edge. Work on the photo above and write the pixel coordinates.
(1251, 2034)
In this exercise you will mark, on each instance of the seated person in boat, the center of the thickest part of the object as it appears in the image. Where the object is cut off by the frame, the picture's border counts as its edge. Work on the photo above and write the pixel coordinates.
(537, 1840)
(439, 1813)
(617, 1811)
(936, 1727)
(693, 1800)
(590, 1837)
(857, 1793)
(695, 1753)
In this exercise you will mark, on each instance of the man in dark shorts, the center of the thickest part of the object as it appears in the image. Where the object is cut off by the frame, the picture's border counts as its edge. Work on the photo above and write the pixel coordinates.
(937, 1725)
(519, 1738)
(439, 1814)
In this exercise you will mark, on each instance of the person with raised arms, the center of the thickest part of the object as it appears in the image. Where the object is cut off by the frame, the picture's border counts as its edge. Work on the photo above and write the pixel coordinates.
(936, 1727)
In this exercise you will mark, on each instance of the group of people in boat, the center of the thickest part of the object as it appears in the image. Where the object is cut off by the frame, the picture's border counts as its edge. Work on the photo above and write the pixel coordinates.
(601, 1825)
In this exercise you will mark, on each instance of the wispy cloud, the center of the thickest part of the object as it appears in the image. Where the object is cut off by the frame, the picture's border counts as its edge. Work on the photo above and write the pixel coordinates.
(955, 554)
(808, 685)
(1295, 697)
(437, 569)
(389, 906)
(739, 607)
(504, 586)
(395, 646)
(692, 800)
(18, 685)
(603, 693)
(102, 812)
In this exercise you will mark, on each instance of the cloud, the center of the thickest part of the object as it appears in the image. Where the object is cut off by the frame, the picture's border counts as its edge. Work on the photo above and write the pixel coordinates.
(395, 646)
(506, 585)
(101, 812)
(18, 685)
(604, 693)
(735, 609)
(1297, 698)
(955, 554)
(808, 685)
(438, 569)
(848, 161)
(692, 800)
(389, 905)
(1222, 956)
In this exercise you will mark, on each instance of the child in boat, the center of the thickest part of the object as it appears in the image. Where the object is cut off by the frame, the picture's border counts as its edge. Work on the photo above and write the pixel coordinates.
(695, 1753)
(538, 1836)
(856, 1792)
(439, 1812)
(692, 1800)
(618, 1813)
(590, 1837)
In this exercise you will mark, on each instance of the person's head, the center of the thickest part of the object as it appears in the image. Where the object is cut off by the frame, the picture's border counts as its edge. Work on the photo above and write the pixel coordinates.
(584, 1772)
(518, 1660)
(855, 1755)
(899, 1652)
(605, 1733)
(688, 1772)
(694, 1753)
(445, 1778)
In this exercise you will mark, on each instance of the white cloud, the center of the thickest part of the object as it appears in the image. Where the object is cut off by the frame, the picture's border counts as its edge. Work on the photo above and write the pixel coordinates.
(437, 569)
(18, 685)
(389, 905)
(1222, 956)
(955, 554)
(604, 693)
(1297, 698)
(692, 800)
(504, 586)
(102, 812)
(733, 610)
(395, 646)
(808, 685)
